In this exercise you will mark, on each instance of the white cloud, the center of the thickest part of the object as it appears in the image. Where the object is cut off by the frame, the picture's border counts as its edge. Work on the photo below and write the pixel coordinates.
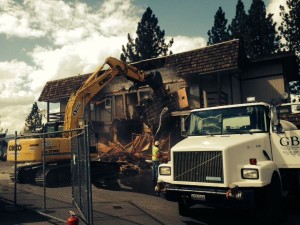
(72, 59)
(273, 8)
(66, 21)
(13, 117)
(16, 96)
(15, 21)
(14, 78)
(184, 43)
(80, 39)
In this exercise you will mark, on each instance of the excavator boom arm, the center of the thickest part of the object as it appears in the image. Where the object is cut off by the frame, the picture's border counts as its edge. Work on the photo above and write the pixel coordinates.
(95, 83)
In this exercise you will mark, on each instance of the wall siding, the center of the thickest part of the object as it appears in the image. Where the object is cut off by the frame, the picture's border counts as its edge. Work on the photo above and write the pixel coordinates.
(265, 89)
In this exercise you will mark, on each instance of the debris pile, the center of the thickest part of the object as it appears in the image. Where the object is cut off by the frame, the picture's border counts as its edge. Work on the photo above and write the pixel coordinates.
(133, 158)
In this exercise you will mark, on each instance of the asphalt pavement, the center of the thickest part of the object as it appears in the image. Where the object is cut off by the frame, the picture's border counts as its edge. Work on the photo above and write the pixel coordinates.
(135, 203)
(11, 214)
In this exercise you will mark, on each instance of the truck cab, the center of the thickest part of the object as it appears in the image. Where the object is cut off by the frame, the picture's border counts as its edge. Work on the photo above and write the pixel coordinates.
(233, 156)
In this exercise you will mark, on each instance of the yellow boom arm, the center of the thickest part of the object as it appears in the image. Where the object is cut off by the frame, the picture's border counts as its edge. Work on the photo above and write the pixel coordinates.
(95, 83)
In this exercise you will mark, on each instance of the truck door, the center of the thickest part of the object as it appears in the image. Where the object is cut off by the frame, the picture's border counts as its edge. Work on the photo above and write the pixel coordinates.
(285, 143)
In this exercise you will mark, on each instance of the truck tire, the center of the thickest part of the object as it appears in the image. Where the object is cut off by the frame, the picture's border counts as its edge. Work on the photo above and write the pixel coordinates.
(269, 202)
(183, 207)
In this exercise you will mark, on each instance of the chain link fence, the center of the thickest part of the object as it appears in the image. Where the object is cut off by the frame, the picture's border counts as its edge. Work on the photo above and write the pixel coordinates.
(48, 173)
(81, 179)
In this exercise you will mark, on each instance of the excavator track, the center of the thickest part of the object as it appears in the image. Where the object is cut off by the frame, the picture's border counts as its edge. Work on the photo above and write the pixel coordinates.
(26, 173)
(56, 175)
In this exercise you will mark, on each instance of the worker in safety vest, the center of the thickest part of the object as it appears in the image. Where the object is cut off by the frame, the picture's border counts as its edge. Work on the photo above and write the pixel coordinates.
(156, 158)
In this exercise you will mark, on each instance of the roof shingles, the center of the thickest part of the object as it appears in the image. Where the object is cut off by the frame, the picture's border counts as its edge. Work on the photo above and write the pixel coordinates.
(212, 58)
(222, 56)
(62, 88)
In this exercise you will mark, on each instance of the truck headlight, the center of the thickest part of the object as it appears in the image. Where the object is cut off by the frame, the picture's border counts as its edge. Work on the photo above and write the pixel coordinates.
(250, 173)
(164, 170)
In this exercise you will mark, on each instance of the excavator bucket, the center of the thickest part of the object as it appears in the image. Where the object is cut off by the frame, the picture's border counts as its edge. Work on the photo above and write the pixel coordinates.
(154, 80)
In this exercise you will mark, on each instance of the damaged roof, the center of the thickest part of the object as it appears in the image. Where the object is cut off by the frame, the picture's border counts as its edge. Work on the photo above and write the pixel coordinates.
(63, 88)
(213, 58)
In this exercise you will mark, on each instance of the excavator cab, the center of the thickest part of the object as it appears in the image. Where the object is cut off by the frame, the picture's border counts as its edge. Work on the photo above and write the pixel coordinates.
(53, 129)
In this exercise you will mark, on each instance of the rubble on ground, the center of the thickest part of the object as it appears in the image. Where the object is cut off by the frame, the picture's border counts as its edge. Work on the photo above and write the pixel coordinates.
(133, 158)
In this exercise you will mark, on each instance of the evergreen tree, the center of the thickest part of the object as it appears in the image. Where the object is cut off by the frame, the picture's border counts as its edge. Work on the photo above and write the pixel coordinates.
(237, 28)
(149, 43)
(290, 31)
(33, 121)
(219, 32)
(2, 131)
(3, 143)
(290, 25)
(261, 37)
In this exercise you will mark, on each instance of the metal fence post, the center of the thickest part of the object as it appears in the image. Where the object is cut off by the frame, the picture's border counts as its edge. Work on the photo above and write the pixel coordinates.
(15, 169)
(44, 174)
(88, 175)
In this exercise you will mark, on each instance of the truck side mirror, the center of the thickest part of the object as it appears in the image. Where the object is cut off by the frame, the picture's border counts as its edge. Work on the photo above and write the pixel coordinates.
(182, 127)
(275, 121)
(274, 116)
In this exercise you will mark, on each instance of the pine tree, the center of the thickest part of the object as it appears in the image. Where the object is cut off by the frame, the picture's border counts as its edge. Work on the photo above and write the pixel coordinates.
(261, 37)
(2, 131)
(33, 121)
(3, 143)
(219, 32)
(290, 31)
(149, 43)
(290, 25)
(237, 28)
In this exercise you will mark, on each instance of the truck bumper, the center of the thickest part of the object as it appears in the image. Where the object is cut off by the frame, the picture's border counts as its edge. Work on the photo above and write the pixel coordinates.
(209, 196)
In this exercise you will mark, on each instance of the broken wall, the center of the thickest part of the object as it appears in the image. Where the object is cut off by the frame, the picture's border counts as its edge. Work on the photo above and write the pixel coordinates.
(124, 125)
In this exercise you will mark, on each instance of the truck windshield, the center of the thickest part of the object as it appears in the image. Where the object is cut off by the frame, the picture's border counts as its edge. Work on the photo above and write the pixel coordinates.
(238, 120)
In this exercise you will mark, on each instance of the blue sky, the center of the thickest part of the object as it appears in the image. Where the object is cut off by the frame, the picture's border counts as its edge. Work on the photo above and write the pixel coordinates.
(190, 17)
(44, 40)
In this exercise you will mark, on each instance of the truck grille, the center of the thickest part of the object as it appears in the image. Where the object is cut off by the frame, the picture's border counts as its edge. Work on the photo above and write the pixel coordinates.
(201, 166)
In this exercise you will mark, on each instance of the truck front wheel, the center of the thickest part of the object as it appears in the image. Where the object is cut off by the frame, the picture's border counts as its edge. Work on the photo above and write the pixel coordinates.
(184, 206)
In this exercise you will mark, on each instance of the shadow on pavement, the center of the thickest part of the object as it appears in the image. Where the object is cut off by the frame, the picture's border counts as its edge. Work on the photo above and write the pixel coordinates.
(140, 183)
(11, 214)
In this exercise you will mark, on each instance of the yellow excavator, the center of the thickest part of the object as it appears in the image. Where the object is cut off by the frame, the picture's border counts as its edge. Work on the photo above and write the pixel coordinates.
(29, 151)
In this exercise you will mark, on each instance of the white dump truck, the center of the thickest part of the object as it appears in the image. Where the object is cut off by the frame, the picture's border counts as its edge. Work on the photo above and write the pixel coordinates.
(234, 156)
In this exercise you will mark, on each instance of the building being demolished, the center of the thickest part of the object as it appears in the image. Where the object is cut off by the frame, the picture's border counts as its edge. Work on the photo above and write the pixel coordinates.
(131, 139)
(125, 121)
(133, 124)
